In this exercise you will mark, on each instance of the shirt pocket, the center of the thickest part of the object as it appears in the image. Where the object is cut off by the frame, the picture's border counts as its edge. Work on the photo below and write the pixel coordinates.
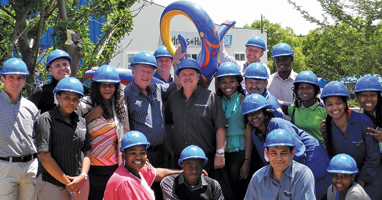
(26, 127)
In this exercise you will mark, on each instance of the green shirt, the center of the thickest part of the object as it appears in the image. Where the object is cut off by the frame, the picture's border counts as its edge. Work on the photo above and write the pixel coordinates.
(308, 119)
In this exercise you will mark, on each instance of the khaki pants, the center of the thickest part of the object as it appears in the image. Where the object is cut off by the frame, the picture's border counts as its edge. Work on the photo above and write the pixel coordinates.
(18, 180)
(48, 191)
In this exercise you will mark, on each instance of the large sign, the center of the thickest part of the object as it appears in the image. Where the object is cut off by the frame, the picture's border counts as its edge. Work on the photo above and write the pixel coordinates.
(193, 39)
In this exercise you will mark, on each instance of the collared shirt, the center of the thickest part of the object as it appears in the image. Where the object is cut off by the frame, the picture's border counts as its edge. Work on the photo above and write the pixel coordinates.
(308, 119)
(282, 89)
(296, 182)
(274, 105)
(195, 119)
(125, 185)
(64, 142)
(146, 111)
(202, 190)
(170, 80)
(43, 96)
(355, 192)
(16, 121)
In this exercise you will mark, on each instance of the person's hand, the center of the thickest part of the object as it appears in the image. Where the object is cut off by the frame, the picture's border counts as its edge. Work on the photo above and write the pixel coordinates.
(226, 22)
(244, 170)
(376, 134)
(204, 173)
(95, 112)
(178, 55)
(323, 126)
(94, 68)
(219, 162)
(75, 185)
(149, 165)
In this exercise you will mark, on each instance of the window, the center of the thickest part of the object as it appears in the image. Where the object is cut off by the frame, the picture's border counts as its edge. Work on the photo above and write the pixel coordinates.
(239, 56)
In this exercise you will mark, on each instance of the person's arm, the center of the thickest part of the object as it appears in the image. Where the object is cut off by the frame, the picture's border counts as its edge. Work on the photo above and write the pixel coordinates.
(219, 161)
(94, 113)
(304, 185)
(245, 168)
(176, 59)
(77, 181)
(163, 172)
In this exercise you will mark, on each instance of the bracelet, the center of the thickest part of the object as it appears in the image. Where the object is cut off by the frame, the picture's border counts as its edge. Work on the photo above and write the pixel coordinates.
(221, 156)
(247, 159)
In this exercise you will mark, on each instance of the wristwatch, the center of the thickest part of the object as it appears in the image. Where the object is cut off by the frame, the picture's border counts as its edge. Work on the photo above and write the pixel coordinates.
(219, 151)
(85, 175)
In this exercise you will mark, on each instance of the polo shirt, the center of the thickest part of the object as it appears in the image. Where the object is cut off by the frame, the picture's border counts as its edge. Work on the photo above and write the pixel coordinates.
(64, 142)
(125, 185)
(296, 182)
(355, 192)
(195, 120)
(43, 97)
(175, 187)
(282, 89)
(146, 111)
(308, 119)
(170, 80)
(16, 122)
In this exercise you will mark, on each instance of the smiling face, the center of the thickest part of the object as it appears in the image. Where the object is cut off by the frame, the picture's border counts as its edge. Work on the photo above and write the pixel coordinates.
(305, 91)
(60, 68)
(228, 85)
(192, 170)
(107, 90)
(135, 158)
(256, 118)
(68, 102)
(368, 100)
(164, 64)
(253, 54)
(343, 182)
(280, 157)
(284, 63)
(142, 75)
(255, 86)
(189, 78)
(335, 107)
(13, 84)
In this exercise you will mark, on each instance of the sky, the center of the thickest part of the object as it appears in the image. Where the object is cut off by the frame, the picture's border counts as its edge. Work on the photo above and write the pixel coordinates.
(247, 11)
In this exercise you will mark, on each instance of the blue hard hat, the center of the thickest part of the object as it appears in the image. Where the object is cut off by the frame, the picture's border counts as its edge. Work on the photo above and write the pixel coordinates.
(367, 83)
(56, 54)
(279, 137)
(257, 42)
(334, 88)
(306, 77)
(342, 164)
(144, 58)
(188, 63)
(253, 103)
(228, 69)
(162, 52)
(133, 138)
(106, 73)
(282, 49)
(192, 152)
(14, 66)
(69, 84)
(257, 71)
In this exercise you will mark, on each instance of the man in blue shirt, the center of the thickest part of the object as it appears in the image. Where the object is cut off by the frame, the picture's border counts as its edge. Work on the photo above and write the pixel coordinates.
(164, 63)
(283, 178)
(256, 81)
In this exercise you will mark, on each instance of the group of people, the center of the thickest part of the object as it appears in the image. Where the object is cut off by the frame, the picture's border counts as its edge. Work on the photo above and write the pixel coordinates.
(178, 140)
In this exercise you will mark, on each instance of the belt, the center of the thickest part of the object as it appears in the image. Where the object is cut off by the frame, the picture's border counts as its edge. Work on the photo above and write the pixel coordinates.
(154, 148)
(20, 159)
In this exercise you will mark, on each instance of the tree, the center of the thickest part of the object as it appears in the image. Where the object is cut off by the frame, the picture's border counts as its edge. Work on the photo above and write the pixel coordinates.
(24, 22)
(277, 34)
(350, 43)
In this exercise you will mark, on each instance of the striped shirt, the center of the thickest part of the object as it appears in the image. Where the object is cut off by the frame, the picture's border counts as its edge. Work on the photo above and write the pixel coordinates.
(64, 142)
(16, 122)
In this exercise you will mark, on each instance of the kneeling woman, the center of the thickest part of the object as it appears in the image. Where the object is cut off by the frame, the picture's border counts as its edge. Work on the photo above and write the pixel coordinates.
(343, 169)
(61, 136)
(309, 150)
(132, 180)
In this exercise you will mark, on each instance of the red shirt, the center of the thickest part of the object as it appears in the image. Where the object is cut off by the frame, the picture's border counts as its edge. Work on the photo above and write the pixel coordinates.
(124, 185)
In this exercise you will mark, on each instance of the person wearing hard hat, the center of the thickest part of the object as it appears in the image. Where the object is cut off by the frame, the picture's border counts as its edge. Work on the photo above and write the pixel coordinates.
(62, 139)
(309, 150)
(281, 82)
(164, 63)
(343, 169)
(58, 64)
(346, 132)
(133, 178)
(256, 81)
(283, 178)
(191, 184)
(18, 153)
(194, 115)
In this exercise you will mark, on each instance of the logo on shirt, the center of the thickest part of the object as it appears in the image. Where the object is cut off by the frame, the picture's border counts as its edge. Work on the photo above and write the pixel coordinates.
(138, 103)
(201, 105)
(288, 194)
